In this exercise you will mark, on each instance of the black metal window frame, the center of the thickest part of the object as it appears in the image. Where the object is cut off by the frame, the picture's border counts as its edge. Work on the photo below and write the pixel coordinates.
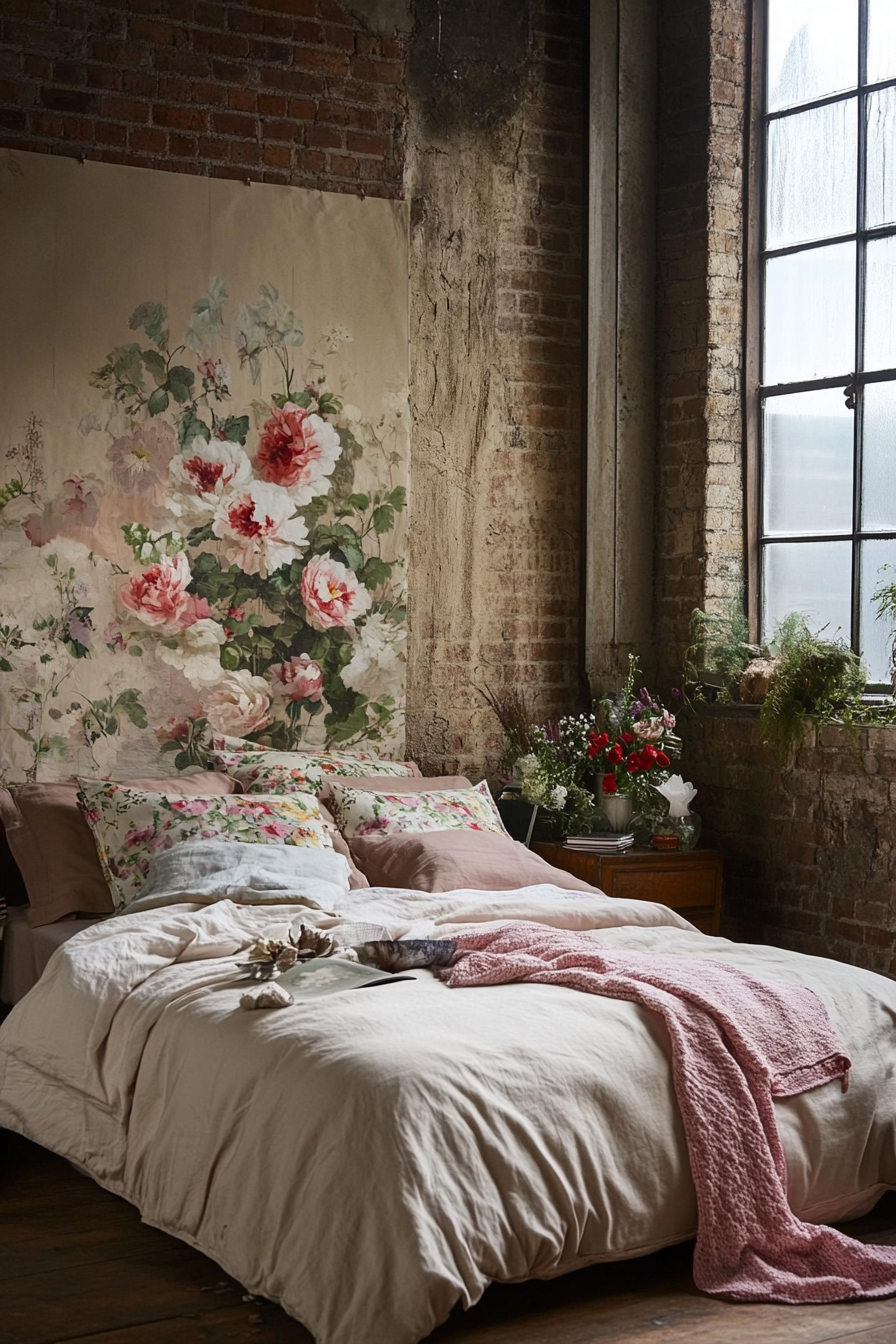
(852, 381)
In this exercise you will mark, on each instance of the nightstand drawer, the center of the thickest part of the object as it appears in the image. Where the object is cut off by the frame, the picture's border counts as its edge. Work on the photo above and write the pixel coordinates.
(673, 887)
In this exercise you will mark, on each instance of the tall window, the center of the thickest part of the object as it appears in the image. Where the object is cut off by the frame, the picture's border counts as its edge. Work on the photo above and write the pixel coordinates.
(826, 508)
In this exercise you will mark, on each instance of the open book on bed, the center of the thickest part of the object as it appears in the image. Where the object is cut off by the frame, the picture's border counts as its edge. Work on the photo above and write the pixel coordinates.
(331, 975)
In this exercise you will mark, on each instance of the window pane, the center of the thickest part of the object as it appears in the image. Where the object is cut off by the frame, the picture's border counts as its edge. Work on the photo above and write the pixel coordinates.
(880, 304)
(812, 174)
(807, 472)
(880, 182)
(813, 577)
(875, 636)
(881, 40)
(879, 457)
(812, 49)
(810, 314)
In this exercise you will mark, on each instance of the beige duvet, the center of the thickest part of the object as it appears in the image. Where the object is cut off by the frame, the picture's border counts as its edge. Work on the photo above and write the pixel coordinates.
(375, 1158)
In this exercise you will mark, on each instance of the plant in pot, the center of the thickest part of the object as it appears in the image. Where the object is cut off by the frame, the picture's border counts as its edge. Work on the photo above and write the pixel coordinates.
(718, 653)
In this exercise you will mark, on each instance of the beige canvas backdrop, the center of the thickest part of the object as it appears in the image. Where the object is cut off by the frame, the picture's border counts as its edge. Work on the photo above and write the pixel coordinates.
(81, 246)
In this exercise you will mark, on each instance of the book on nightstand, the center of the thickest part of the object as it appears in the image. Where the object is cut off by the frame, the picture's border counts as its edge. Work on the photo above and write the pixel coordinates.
(599, 844)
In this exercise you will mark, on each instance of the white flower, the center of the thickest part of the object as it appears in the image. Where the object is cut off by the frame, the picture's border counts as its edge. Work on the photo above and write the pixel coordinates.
(257, 528)
(204, 472)
(335, 337)
(525, 766)
(678, 795)
(196, 652)
(376, 668)
(238, 705)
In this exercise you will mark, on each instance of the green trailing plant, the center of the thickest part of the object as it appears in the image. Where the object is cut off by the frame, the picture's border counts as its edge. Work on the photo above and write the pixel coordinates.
(885, 597)
(717, 654)
(815, 677)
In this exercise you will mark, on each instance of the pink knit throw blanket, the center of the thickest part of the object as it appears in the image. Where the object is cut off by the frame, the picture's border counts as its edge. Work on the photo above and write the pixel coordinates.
(737, 1041)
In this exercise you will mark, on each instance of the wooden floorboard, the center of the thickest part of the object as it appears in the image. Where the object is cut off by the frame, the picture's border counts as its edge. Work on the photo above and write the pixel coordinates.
(78, 1267)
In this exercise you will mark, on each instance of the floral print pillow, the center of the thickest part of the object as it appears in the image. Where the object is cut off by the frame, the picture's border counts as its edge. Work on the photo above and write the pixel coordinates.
(362, 812)
(291, 771)
(130, 826)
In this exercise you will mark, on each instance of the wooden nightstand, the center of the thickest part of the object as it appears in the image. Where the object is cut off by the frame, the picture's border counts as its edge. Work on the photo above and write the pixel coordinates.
(690, 882)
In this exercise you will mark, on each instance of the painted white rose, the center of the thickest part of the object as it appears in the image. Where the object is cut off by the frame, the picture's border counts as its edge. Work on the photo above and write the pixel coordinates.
(257, 528)
(238, 704)
(196, 652)
(203, 473)
(376, 667)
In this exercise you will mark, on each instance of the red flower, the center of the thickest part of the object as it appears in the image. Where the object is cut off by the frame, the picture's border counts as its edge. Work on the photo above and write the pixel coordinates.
(614, 755)
(634, 764)
(627, 739)
(662, 760)
(608, 783)
(648, 754)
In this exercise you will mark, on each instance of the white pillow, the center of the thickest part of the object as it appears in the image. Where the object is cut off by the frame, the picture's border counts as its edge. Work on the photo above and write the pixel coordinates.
(205, 871)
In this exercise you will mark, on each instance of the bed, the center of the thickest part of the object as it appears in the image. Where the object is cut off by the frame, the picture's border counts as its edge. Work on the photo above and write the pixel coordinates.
(377, 1158)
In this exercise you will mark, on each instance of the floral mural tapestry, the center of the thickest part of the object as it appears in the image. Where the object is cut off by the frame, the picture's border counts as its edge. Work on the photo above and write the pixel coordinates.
(203, 468)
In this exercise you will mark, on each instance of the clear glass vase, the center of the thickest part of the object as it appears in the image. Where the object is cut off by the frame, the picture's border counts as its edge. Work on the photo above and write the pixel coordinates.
(677, 832)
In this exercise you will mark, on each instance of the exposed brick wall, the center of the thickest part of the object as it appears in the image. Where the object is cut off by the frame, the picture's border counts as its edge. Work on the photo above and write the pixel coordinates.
(276, 90)
(699, 519)
(811, 848)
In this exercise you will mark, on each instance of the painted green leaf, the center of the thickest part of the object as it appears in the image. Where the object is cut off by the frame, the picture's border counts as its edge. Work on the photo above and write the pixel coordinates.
(398, 498)
(180, 383)
(329, 404)
(230, 658)
(153, 318)
(155, 365)
(236, 427)
(200, 534)
(359, 502)
(5, 665)
(158, 401)
(135, 651)
(189, 427)
(374, 572)
(384, 518)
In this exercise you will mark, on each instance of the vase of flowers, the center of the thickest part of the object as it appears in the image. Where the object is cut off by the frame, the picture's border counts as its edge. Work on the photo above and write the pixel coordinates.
(580, 768)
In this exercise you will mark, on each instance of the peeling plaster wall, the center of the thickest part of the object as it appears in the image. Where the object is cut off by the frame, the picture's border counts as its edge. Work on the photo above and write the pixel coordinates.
(496, 275)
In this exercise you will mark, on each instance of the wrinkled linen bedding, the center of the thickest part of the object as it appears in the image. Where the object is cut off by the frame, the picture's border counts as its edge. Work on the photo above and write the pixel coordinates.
(372, 1159)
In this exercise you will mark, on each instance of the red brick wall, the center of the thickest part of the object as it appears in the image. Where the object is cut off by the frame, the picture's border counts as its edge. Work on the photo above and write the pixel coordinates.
(699, 518)
(278, 91)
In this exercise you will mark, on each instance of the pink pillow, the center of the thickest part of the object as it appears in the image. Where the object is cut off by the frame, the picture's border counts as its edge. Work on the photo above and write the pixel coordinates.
(450, 860)
(54, 849)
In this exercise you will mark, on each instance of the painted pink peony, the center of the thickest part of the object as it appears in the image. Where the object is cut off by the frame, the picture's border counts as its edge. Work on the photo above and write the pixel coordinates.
(238, 705)
(140, 460)
(258, 530)
(332, 594)
(204, 471)
(299, 679)
(159, 597)
(298, 451)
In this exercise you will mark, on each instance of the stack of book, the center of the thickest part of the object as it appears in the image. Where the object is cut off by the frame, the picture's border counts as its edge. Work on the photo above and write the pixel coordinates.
(608, 843)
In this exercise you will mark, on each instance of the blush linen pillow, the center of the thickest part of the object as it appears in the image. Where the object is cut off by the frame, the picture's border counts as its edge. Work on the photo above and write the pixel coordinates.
(456, 859)
(366, 812)
(131, 825)
(54, 849)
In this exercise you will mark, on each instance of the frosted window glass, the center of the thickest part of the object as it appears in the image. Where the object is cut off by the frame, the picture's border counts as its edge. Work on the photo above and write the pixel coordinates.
(880, 180)
(875, 636)
(810, 314)
(880, 304)
(807, 473)
(879, 457)
(812, 174)
(813, 577)
(881, 40)
(812, 49)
